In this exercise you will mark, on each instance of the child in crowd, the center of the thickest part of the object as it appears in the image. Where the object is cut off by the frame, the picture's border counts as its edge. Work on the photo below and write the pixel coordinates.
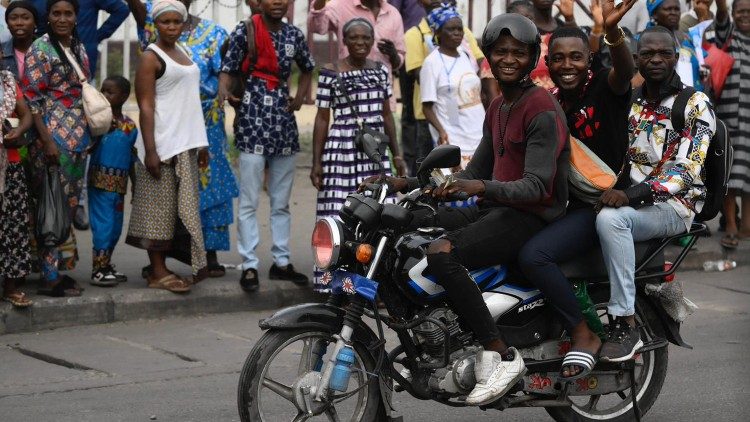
(111, 161)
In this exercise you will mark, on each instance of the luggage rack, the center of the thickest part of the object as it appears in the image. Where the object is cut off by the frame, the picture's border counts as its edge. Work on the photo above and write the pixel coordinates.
(695, 230)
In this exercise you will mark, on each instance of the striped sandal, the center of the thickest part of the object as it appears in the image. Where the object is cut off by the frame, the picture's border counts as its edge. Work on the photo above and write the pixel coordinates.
(582, 359)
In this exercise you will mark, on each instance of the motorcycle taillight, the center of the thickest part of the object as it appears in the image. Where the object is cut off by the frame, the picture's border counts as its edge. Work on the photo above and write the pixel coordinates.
(667, 267)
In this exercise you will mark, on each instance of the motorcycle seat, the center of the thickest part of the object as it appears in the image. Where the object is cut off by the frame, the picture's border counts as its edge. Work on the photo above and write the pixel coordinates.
(590, 265)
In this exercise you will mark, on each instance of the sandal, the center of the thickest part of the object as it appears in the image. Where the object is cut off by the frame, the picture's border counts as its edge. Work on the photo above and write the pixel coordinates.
(581, 359)
(172, 283)
(72, 285)
(17, 299)
(60, 289)
(730, 241)
(216, 270)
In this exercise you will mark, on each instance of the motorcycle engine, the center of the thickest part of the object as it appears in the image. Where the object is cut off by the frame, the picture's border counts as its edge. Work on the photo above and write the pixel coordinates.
(431, 337)
(458, 377)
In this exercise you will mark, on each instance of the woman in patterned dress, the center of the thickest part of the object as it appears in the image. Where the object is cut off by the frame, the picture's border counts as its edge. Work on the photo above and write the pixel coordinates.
(203, 38)
(15, 254)
(53, 90)
(734, 35)
(338, 167)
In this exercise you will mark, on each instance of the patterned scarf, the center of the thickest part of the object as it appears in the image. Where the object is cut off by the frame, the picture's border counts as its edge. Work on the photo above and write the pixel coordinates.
(440, 16)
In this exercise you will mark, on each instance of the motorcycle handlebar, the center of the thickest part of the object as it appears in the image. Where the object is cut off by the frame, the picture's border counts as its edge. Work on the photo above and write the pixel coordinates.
(458, 196)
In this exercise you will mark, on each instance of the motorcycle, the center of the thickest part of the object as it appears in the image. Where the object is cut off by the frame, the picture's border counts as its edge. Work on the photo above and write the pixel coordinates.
(345, 371)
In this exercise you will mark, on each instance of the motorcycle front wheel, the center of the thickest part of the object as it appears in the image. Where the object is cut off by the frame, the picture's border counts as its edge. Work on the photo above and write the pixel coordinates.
(650, 372)
(281, 359)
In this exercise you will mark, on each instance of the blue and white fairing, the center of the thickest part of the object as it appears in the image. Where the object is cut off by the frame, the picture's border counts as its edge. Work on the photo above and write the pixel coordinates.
(499, 297)
(420, 286)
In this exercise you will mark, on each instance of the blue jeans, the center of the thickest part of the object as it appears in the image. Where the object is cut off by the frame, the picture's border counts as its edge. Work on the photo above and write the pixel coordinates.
(280, 179)
(558, 242)
(618, 228)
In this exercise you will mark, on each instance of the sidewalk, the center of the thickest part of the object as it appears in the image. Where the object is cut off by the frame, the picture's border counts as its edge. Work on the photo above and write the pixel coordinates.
(133, 300)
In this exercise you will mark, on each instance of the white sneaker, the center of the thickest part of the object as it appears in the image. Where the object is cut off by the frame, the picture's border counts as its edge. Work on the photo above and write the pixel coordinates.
(495, 376)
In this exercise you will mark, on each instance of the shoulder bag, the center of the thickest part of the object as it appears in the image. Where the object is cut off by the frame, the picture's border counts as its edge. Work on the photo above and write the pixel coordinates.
(239, 79)
(362, 128)
(589, 176)
(97, 109)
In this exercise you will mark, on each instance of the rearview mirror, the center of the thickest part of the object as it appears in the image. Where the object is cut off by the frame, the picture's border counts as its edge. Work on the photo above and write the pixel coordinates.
(441, 157)
(370, 143)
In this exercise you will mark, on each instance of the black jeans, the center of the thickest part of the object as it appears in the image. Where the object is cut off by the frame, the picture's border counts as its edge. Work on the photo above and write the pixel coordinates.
(560, 241)
(480, 236)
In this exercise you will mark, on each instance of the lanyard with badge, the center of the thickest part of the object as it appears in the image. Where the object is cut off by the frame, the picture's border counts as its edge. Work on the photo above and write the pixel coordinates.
(452, 100)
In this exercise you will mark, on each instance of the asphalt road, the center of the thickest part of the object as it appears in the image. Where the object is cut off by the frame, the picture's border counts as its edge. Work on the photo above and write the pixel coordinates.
(187, 369)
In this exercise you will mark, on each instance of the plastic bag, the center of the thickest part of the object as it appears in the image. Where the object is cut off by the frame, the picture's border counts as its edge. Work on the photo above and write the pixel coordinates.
(588, 309)
(673, 299)
(53, 211)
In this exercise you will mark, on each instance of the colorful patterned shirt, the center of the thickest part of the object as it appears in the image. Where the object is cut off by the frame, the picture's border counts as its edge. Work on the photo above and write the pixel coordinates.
(53, 89)
(113, 156)
(265, 127)
(679, 180)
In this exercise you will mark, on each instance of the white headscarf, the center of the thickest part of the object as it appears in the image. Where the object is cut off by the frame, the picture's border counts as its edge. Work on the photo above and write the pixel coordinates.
(163, 6)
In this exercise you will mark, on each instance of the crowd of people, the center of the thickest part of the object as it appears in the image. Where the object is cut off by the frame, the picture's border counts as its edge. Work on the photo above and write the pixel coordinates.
(510, 102)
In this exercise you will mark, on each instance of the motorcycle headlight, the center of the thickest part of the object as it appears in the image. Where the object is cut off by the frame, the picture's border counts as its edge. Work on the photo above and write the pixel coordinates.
(326, 243)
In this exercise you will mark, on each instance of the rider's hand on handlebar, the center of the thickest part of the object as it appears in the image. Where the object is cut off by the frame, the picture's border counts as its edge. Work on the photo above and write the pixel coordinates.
(395, 184)
(613, 198)
(470, 187)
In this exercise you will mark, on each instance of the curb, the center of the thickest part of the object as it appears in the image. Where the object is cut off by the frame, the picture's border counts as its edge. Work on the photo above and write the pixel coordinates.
(700, 254)
(129, 305)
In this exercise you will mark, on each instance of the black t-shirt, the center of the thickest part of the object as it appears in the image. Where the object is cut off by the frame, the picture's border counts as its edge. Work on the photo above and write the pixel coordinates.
(599, 118)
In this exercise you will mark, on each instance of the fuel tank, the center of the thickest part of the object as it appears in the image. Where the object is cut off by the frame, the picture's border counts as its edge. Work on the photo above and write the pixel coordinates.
(415, 280)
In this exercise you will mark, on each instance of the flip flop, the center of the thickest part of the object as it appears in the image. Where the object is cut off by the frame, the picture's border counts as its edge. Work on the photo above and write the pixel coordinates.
(172, 283)
(730, 241)
(18, 299)
(58, 290)
(580, 358)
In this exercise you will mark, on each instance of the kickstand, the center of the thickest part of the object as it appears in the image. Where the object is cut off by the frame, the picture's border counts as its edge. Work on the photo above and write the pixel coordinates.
(636, 410)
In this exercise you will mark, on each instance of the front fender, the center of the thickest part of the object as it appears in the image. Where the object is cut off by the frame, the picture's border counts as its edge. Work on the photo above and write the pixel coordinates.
(319, 316)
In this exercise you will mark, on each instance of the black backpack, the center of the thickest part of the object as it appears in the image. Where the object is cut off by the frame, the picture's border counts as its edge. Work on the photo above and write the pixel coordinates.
(718, 164)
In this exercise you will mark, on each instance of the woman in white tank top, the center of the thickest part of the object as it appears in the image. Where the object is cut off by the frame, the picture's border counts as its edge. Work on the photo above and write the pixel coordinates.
(172, 146)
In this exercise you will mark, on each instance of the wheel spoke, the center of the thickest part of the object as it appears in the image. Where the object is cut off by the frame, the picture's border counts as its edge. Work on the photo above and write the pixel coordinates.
(304, 361)
(280, 389)
(301, 416)
(622, 395)
(332, 415)
(593, 401)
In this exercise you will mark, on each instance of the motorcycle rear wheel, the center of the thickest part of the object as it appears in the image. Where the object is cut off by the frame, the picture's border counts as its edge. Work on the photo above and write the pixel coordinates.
(255, 379)
(651, 370)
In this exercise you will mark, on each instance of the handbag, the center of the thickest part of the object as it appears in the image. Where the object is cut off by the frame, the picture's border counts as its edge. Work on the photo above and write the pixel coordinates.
(53, 211)
(589, 176)
(362, 128)
(97, 109)
(720, 62)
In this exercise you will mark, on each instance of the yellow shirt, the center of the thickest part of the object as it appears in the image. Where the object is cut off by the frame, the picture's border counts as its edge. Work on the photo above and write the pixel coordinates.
(416, 52)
